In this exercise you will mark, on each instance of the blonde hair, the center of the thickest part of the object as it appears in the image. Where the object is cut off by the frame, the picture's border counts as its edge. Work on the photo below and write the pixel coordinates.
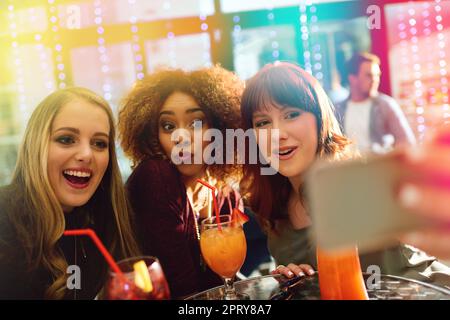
(41, 223)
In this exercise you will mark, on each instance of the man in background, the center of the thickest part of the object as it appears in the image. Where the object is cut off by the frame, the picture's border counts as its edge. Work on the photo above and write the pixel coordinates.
(374, 121)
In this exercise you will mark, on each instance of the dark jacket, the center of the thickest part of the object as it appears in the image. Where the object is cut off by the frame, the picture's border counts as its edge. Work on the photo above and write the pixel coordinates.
(19, 281)
(166, 226)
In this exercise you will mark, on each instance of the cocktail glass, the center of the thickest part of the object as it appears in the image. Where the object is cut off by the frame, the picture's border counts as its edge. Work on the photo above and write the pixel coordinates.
(129, 288)
(224, 248)
(340, 276)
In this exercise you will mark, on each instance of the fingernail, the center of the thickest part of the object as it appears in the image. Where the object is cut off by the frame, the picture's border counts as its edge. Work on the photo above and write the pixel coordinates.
(290, 274)
(301, 274)
(415, 154)
(311, 272)
(410, 196)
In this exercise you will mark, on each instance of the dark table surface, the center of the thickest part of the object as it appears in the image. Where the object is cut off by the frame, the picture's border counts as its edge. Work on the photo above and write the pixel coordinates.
(307, 288)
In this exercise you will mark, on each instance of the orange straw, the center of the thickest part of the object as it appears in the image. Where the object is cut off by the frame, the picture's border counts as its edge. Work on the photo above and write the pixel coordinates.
(91, 233)
(216, 209)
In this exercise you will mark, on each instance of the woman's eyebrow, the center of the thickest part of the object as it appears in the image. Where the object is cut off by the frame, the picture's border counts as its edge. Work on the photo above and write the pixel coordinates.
(171, 113)
(258, 115)
(102, 134)
(76, 131)
(194, 110)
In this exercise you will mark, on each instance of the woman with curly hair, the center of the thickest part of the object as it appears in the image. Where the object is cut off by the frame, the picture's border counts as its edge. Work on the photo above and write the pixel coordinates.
(163, 189)
(285, 97)
(66, 177)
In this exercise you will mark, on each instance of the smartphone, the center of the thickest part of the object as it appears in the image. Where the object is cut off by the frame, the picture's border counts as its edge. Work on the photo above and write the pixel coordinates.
(354, 202)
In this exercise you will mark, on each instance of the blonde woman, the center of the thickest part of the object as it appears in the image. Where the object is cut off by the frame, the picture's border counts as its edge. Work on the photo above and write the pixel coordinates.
(66, 177)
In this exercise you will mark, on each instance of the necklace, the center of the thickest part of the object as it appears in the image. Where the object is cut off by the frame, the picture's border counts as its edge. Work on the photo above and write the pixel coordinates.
(197, 234)
(194, 216)
(201, 197)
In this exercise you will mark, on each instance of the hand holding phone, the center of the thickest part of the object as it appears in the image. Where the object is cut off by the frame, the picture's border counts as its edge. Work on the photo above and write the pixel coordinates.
(431, 195)
(354, 202)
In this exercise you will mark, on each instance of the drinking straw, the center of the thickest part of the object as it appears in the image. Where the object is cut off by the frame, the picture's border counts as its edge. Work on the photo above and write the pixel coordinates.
(216, 210)
(91, 233)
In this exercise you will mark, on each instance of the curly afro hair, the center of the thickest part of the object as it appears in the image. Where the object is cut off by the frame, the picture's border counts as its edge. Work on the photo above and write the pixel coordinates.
(216, 90)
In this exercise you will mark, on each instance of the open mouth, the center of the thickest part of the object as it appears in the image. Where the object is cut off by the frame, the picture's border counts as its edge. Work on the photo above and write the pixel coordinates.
(285, 152)
(77, 178)
(184, 157)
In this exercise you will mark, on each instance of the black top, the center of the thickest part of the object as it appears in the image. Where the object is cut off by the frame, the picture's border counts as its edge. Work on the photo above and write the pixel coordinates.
(18, 281)
(166, 226)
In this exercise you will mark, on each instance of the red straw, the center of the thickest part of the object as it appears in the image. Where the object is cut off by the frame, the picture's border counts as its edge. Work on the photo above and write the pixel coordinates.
(216, 209)
(91, 233)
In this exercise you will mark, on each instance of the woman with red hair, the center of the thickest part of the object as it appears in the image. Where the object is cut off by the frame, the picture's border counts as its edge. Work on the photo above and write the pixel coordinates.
(285, 97)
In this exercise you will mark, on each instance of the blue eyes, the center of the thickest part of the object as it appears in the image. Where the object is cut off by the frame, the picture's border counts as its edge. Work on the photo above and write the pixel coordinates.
(65, 140)
(292, 115)
(68, 140)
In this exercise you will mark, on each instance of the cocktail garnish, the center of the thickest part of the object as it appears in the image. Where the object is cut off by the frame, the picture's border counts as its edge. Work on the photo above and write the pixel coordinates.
(142, 276)
(238, 217)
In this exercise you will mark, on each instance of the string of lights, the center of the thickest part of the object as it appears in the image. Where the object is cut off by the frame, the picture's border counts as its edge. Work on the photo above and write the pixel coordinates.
(426, 69)
(442, 59)
(305, 34)
(172, 54)
(57, 49)
(410, 61)
(44, 59)
(316, 47)
(404, 54)
(16, 57)
(413, 52)
(206, 56)
(237, 30)
(135, 43)
(273, 33)
(312, 55)
(102, 50)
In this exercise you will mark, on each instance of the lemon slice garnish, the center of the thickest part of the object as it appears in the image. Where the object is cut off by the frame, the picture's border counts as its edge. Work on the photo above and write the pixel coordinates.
(142, 276)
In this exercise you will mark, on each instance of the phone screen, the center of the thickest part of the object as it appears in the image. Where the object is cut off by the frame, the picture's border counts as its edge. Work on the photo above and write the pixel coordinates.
(353, 202)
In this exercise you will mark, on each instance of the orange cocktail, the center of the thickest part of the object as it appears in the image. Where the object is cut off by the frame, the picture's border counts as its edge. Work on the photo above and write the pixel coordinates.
(224, 248)
(340, 276)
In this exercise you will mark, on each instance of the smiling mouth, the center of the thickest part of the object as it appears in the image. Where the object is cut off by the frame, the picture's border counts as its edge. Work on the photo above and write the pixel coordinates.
(285, 152)
(77, 178)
